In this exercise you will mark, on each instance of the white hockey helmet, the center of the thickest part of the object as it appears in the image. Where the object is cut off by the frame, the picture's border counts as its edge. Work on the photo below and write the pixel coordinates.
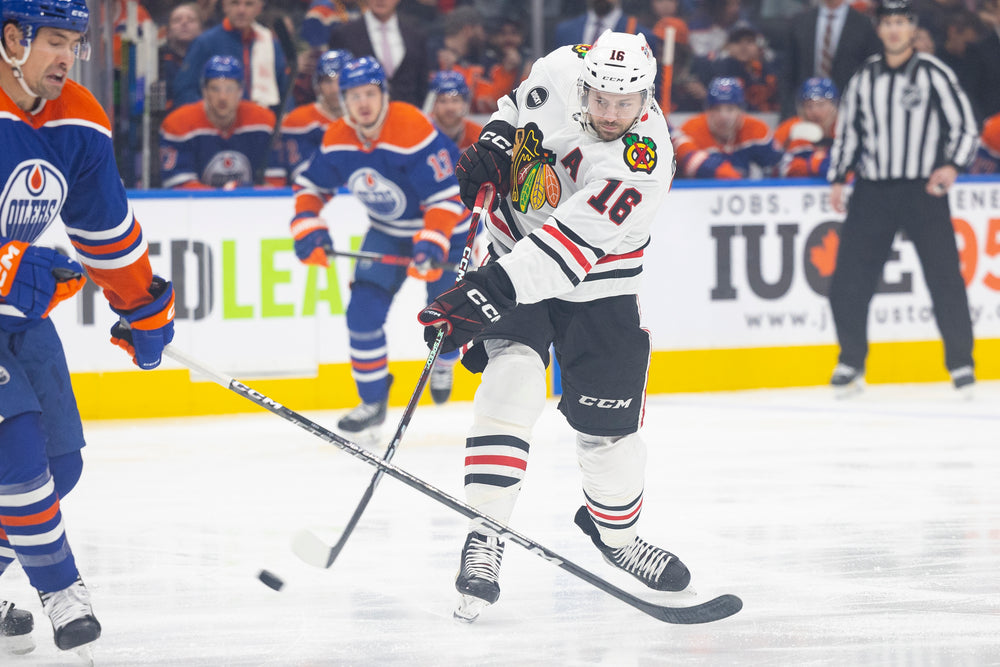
(618, 63)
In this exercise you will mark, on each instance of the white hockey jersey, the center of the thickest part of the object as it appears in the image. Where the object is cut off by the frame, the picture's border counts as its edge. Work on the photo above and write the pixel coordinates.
(578, 216)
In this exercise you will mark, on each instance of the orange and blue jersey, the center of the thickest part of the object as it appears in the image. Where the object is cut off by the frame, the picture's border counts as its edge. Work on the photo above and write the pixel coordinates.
(194, 153)
(58, 162)
(803, 158)
(405, 178)
(302, 133)
(988, 156)
(701, 155)
(320, 19)
(467, 135)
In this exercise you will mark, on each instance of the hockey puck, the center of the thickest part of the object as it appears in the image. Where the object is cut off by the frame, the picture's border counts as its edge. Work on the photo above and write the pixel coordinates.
(270, 580)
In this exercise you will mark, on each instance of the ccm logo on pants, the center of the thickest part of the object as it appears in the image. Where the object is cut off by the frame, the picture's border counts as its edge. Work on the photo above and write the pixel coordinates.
(607, 403)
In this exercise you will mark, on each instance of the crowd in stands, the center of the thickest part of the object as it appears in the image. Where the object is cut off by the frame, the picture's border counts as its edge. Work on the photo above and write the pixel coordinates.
(753, 89)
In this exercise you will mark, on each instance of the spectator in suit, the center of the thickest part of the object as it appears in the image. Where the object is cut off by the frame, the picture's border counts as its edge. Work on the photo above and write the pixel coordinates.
(601, 15)
(985, 60)
(183, 26)
(241, 36)
(851, 40)
(961, 30)
(711, 24)
(399, 47)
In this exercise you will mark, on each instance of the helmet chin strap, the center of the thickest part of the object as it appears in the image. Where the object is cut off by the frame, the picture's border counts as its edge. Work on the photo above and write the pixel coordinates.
(15, 65)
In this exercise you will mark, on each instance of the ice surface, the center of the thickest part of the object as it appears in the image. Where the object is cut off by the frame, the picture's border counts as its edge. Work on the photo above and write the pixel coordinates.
(864, 531)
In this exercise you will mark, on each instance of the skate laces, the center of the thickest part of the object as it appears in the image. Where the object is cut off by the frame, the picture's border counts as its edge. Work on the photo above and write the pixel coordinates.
(642, 559)
(481, 559)
(67, 605)
(5, 608)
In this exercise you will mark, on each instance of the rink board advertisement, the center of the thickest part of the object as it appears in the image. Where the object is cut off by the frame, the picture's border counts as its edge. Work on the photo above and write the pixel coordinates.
(734, 294)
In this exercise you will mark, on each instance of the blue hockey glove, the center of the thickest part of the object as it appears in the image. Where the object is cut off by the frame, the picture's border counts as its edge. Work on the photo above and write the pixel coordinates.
(143, 332)
(429, 250)
(314, 247)
(464, 311)
(34, 279)
(486, 161)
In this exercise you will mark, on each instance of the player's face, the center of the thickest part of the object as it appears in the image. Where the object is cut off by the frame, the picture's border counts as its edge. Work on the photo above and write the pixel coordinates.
(822, 112)
(222, 100)
(364, 103)
(328, 90)
(612, 114)
(896, 32)
(241, 13)
(724, 119)
(449, 109)
(53, 52)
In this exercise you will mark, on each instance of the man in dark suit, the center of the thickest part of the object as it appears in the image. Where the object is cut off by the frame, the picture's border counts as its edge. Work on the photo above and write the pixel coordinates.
(844, 34)
(601, 15)
(399, 47)
(984, 57)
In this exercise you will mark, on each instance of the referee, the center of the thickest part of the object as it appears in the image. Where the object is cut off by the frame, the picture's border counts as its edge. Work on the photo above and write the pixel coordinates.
(905, 128)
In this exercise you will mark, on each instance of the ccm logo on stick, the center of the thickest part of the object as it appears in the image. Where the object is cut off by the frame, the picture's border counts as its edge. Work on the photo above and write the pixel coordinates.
(606, 403)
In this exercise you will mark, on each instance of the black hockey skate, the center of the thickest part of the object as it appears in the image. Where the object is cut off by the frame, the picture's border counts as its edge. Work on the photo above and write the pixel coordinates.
(847, 380)
(15, 629)
(478, 580)
(73, 622)
(441, 380)
(657, 568)
(364, 422)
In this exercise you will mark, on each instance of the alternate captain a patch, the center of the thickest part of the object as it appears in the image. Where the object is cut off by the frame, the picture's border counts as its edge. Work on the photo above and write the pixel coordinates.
(640, 154)
(533, 179)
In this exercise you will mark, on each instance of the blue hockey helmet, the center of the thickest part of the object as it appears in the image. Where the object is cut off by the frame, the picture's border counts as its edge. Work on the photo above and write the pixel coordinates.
(330, 64)
(222, 67)
(360, 72)
(818, 88)
(725, 90)
(30, 15)
(449, 83)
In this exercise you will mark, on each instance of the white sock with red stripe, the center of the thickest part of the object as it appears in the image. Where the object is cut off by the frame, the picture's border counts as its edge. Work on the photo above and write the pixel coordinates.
(613, 472)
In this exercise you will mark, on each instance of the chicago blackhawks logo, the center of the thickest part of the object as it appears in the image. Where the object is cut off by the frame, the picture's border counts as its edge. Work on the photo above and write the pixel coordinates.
(640, 154)
(581, 50)
(533, 177)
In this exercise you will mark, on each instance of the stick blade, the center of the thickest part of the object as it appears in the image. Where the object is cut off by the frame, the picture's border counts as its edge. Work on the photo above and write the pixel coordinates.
(715, 609)
(311, 549)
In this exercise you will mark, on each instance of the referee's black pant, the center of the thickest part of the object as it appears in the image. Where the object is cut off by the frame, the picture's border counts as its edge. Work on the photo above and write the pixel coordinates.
(876, 211)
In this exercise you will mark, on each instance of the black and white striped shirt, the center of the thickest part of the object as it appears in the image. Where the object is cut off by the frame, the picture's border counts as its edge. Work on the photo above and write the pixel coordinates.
(902, 123)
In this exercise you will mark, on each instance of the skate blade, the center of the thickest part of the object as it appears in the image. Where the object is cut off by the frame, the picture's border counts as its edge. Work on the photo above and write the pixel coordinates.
(469, 608)
(85, 653)
(18, 644)
(849, 390)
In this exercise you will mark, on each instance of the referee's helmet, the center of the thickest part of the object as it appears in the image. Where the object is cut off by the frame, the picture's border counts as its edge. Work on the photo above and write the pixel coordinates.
(890, 7)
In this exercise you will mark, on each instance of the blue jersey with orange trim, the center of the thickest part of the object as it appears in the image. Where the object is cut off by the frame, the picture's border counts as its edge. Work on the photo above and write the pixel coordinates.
(988, 156)
(405, 178)
(302, 132)
(193, 151)
(701, 153)
(58, 162)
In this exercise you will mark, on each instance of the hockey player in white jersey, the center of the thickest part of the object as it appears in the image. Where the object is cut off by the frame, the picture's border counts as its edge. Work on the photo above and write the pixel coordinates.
(581, 159)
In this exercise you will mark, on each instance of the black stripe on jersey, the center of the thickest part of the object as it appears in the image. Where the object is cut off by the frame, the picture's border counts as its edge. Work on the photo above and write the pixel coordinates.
(491, 480)
(613, 274)
(575, 238)
(611, 508)
(508, 217)
(496, 440)
(557, 258)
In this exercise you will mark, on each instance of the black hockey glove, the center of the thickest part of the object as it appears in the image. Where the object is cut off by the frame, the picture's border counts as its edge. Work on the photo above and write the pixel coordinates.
(464, 311)
(486, 161)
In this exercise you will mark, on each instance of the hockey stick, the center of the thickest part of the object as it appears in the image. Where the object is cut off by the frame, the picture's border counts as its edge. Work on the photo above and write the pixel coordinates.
(715, 609)
(306, 544)
(396, 260)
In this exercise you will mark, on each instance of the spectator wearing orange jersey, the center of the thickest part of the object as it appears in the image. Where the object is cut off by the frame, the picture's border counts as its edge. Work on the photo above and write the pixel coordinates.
(725, 142)
(222, 141)
(447, 106)
(988, 156)
(806, 138)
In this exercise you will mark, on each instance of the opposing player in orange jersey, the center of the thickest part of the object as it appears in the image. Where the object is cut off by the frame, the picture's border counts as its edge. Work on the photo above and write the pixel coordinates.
(988, 156)
(303, 128)
(806, 138)
(725, 142)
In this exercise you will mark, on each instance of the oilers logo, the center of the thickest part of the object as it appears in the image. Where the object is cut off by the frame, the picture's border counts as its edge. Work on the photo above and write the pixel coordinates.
(228, 167)
(383, 198)
(32, 197)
